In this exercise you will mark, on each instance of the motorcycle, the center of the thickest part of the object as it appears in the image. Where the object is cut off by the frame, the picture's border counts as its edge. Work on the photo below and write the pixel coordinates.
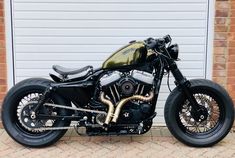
(118, 99)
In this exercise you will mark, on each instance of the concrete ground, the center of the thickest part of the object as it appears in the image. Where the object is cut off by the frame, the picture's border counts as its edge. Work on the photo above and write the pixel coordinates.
(157, 143)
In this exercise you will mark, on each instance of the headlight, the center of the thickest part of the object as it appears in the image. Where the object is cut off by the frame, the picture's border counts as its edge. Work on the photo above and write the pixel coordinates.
(173, 51)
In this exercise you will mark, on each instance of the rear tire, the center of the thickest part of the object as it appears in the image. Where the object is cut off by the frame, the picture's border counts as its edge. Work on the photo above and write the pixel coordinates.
(198, 134)
(11, 121)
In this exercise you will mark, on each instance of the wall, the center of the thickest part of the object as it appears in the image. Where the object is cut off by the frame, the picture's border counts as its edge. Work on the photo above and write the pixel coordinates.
(224, 45)
(3, 72)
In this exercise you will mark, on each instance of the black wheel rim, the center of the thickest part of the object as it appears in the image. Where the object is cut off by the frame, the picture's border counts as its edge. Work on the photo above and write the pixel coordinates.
(208, 127)
(18, 125)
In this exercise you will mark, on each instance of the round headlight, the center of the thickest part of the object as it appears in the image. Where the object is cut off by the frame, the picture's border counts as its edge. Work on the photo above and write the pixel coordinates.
(173, 51)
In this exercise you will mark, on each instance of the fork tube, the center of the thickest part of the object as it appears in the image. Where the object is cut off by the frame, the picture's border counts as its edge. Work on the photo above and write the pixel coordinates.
(184, 84)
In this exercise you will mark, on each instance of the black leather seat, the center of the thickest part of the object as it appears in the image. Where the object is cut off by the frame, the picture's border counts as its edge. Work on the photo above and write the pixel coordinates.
(70, 71)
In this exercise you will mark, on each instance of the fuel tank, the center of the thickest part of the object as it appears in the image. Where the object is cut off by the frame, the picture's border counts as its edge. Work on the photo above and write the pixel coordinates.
(131, 54)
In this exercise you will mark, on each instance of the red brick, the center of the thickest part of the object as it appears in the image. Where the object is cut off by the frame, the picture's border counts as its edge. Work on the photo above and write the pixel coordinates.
(3, 74)
(3, 82)
(2, 51)
(231, 51)
(3, 89)
(232, 4)
(231, 80)
(231, 58)
(231, 43)
(221, 21)
(221, 13)
(231, 73)
(232, 93)
(220, 50)
(232, 14)
(219, 59)
(220, 43)
(219, 66)
(231, 65)
(221, 28)
(2, 67)
(2, 95)
(232, 28)
(232, 21)
(219, 73)
(231, 36)
(221, 35)
(222, 5)
(2, 58)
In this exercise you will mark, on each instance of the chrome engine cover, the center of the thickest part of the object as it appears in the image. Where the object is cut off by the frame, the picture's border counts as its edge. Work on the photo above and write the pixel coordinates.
(110, 78)
(142, 76)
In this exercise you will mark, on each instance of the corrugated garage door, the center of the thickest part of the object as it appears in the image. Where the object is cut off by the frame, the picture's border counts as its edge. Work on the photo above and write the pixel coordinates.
(76, 33)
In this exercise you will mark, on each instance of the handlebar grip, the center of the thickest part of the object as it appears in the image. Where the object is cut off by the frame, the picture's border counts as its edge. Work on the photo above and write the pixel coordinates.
(167, 38)
(151, 43)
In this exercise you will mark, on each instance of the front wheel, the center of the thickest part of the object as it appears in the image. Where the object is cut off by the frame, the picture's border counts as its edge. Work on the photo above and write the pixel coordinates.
(200, 133)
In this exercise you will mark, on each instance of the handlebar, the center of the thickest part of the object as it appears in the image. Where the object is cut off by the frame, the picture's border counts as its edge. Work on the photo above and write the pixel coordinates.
(154, 43)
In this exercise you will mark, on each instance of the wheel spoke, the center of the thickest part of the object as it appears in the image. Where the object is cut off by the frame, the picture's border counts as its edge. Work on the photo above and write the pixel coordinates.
(194, 126)
(24, 106)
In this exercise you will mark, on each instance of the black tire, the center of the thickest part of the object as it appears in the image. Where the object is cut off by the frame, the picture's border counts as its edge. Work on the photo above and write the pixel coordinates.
(209, 137)
(12, 124)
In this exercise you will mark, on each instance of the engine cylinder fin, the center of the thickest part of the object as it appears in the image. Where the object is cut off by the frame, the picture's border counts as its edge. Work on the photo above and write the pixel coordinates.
(142, 90)
(137, 89)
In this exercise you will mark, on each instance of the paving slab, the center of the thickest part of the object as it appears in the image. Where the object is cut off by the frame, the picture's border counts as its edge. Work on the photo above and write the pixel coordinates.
(156, 143)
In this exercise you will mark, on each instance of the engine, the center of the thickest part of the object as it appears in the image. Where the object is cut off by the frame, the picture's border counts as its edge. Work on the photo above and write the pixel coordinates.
(120, 85)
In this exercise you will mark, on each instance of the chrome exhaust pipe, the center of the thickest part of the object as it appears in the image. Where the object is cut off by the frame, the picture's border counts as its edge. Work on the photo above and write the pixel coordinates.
(120, 105)
(124, 101)
(110, 108)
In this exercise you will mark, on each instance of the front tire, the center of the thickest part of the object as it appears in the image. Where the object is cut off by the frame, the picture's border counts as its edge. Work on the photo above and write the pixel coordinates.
(204, 133)
(16, 98)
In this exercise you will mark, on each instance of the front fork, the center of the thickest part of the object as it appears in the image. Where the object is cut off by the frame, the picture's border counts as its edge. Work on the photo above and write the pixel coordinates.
(198, 112)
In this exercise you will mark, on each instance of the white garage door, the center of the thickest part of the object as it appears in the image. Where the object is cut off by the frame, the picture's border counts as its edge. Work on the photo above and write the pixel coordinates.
(75, 33)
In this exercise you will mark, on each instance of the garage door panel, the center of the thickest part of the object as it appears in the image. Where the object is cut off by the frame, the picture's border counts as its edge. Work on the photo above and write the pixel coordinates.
(89, 48)
(97, 40)
(96, 17)
(182, 32)
(108, 24)
(127, 7)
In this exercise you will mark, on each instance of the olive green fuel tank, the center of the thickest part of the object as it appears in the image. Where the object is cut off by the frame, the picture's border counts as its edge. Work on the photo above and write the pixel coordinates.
(131, 54)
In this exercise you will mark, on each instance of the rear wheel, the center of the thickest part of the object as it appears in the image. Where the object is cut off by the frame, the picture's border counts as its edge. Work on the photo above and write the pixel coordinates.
(206, 131)
(16, 114)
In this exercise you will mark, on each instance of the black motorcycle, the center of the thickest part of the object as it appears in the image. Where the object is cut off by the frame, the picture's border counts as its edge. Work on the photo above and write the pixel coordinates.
(118, 99)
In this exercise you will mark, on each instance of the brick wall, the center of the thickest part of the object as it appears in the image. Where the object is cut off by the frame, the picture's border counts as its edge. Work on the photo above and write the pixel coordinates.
(224, 45)
(3, 72)
(231, 52)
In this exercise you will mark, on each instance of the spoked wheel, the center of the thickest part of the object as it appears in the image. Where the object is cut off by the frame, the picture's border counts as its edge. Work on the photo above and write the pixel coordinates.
(213, 124)
(215, 116)
(26, 123)
(18, 122)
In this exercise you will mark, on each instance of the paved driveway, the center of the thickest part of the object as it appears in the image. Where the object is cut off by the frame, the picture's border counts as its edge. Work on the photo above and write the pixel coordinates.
(156, 144)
